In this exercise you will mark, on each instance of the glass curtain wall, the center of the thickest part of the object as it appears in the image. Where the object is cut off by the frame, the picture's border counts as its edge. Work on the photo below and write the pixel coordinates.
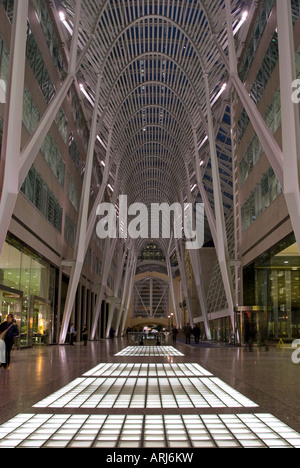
(27, 285)
(273, 280)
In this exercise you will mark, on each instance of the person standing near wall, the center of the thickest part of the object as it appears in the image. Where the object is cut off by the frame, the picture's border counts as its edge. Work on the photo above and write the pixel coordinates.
(112, 333)
(72, 334)
(188, 331)
(196, 333)
(9, 330)
(174, 333)
(85, 335)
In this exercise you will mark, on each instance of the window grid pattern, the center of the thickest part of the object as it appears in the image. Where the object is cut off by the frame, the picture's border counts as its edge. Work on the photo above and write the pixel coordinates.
(70, 231)
(295, 10)
(42, 198)
(255, 149)
(260, 199)
(265, 72)
(38, 66)
(31, 115)
(216, 297)
(54, 159)
(254, 41)
(72, 191)
(4, 61)
(9, 8)
(47, 26)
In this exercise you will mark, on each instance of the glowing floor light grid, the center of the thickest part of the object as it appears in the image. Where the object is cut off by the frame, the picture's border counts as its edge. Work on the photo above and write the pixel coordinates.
(150, 351)
(153, 431)
(151, 392)
(148, 386)
(147, 370)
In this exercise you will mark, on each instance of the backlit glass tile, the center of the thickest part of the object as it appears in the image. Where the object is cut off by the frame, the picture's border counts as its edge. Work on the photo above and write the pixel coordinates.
(150, 392)
(138, 431)
(150, 351)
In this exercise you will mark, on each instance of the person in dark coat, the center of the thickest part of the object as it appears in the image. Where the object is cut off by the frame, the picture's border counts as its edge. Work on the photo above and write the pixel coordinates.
(196, 333)
(72, 334)
(249, 333)
(12, 331)
(188, 331)
(175, 333)
(85, 335)
(112, 334)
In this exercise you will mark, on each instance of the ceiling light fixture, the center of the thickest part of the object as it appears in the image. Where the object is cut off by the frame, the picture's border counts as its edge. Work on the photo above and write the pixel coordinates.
(62, 16)
(242, 21)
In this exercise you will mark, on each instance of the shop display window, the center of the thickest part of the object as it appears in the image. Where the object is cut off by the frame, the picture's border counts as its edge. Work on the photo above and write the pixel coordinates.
(26, 290)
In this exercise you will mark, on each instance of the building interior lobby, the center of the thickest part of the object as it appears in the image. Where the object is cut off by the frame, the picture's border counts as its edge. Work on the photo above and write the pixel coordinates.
(149, 225)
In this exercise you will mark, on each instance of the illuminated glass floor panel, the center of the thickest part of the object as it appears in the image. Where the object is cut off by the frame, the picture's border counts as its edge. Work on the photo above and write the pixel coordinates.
(150, 351)
(147, 370)
(153, 431)
(142, 392)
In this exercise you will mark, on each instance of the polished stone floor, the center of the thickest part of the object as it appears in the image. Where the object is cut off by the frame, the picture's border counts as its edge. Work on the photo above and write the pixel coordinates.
(110, 395)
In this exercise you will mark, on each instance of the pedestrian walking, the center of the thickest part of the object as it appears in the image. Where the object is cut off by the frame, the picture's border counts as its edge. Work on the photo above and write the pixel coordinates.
(72, 334)
(8, 331)
(112, 334)
(188, 331)
(85, 335)
(249, 333)
(174, 333)
(196, 333)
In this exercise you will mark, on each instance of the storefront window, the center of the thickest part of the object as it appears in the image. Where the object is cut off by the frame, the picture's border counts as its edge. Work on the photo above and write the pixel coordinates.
(10, 303)
(26, 287)
(41, 320)
(250, 325)
(220, 329)
(273, 281)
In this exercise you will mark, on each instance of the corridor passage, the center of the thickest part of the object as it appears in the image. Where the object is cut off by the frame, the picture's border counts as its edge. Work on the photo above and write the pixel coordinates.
(104, 396)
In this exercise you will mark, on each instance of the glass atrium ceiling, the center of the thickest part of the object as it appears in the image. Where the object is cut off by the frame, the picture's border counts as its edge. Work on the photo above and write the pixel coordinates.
(153, 57)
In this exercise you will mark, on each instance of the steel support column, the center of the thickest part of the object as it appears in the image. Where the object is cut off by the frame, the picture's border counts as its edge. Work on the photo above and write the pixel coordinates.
(100, 195)
(208, 209)
(79, 313)
(118, 279)
(10, 154)
(198, 277)
(222, 245)
(181, 262)
(151, 296)
(290, 114)
(80, 250)
(171, 285)
(125, 284)
(238, 277)
(110, 245)
(130, 292)
(109, 253)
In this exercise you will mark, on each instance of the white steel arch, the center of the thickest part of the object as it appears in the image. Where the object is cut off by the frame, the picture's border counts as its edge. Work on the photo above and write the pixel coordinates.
(152, 59)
